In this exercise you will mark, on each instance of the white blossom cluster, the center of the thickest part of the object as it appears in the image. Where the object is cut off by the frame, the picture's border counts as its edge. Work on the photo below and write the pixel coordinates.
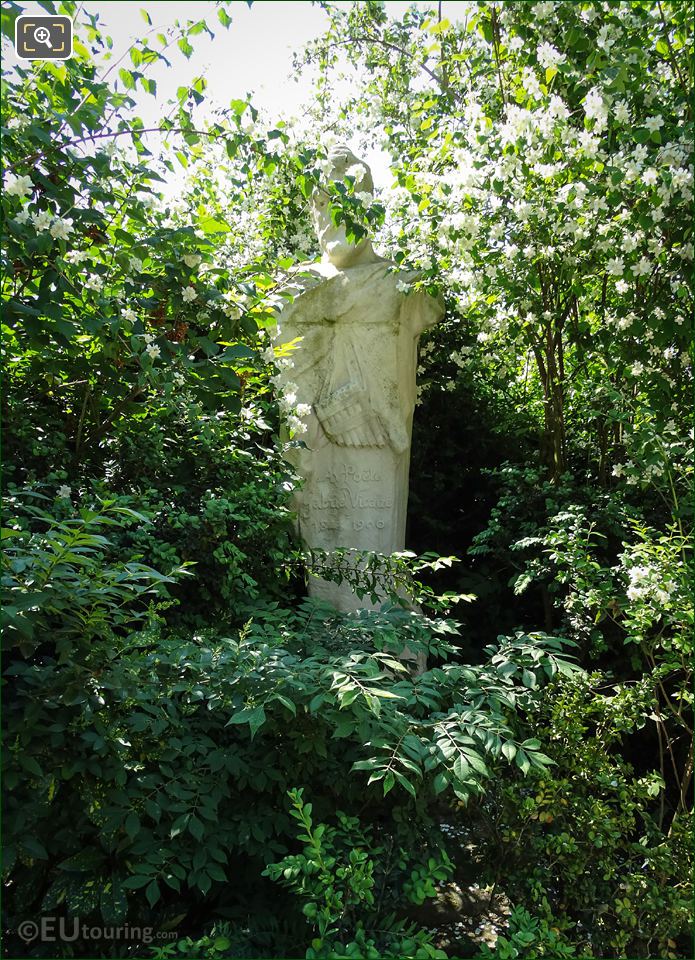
(646, 585)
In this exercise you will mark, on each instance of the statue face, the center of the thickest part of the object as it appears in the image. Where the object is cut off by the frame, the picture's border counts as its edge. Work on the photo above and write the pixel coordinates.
(333, 240)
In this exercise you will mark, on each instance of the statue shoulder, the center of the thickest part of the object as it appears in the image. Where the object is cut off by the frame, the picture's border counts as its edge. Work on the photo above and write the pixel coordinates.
(424, 309)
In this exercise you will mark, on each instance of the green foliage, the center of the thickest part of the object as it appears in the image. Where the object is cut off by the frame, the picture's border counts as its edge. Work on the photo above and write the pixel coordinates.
(337, 876)
(61, 590)
(167, 758)
(583, 847)
(528, 937)
(167, 684)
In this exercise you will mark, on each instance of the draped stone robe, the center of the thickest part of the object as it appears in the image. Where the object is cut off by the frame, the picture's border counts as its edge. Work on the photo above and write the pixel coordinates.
(356, 366)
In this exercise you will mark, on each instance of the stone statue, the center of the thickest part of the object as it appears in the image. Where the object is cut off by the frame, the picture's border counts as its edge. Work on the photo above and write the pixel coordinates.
(355, 368)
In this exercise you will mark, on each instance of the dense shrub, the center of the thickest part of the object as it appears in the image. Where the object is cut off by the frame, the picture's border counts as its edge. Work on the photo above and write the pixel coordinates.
(192, 746)
(146, 762)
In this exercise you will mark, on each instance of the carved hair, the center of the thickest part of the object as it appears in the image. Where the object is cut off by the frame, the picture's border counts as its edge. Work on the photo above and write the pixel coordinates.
(341, 159)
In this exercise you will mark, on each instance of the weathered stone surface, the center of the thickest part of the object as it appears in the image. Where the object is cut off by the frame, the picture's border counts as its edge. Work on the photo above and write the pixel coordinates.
(355, 366)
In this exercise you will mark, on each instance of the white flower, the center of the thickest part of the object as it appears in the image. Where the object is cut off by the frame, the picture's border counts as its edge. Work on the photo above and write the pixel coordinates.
(192, 259)
(22, 216)
(558, 108)
(653, 123)
(650, 177)
(303, 409)
(542, 10)
(41, 221)
(76, 256)
(618, 470)
(61, 229)
(594, 107)
(358, 171)
(516, 43)
(629, 243)
(621, 112)
(604, 39)
(296, 425)
(179, 379)
(548, 56)
(642, 267)
(288, 401)
(615, 267)
(152, 351)
(531, 83)
(622, 287)
(588, 143)
(647, 583)
(64, 492)
(637, 368)
(135, 264)
(18, 186)
(402, 287)
(189, 294)
(129, 315)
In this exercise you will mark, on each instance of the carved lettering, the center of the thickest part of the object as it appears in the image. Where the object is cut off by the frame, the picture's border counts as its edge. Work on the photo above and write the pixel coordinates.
(347, 472)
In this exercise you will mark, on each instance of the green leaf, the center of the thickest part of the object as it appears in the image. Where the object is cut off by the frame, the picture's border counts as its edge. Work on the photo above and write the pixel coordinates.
(34, 848)
(216, 871)
(195, 827)
(127, 78)
(254, 716)
(528, 679)
(113, 902)
(406, 784)
(211, 226)
(509, 750)
(522, 761)
(29, 763)
(185, 47)
(132, 824)
(152, 893)
(135, 882)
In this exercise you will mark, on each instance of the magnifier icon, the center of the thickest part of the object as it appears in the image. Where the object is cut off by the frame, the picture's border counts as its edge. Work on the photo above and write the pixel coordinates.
(43, 35)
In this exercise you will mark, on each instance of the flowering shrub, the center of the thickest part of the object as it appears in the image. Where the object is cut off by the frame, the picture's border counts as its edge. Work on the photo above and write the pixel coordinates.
(169, 681)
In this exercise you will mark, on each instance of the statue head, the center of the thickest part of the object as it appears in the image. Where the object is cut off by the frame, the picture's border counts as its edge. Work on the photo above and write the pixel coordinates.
(333, 241)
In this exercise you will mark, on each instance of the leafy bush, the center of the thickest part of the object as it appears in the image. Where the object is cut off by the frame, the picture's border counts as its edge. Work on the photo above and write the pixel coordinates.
(61, 594)
(581, 848)
(167, 759)
(343, 877)
(168, 683)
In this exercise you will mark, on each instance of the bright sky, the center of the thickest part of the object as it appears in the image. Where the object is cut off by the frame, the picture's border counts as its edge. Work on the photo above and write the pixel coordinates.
(253, 56)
